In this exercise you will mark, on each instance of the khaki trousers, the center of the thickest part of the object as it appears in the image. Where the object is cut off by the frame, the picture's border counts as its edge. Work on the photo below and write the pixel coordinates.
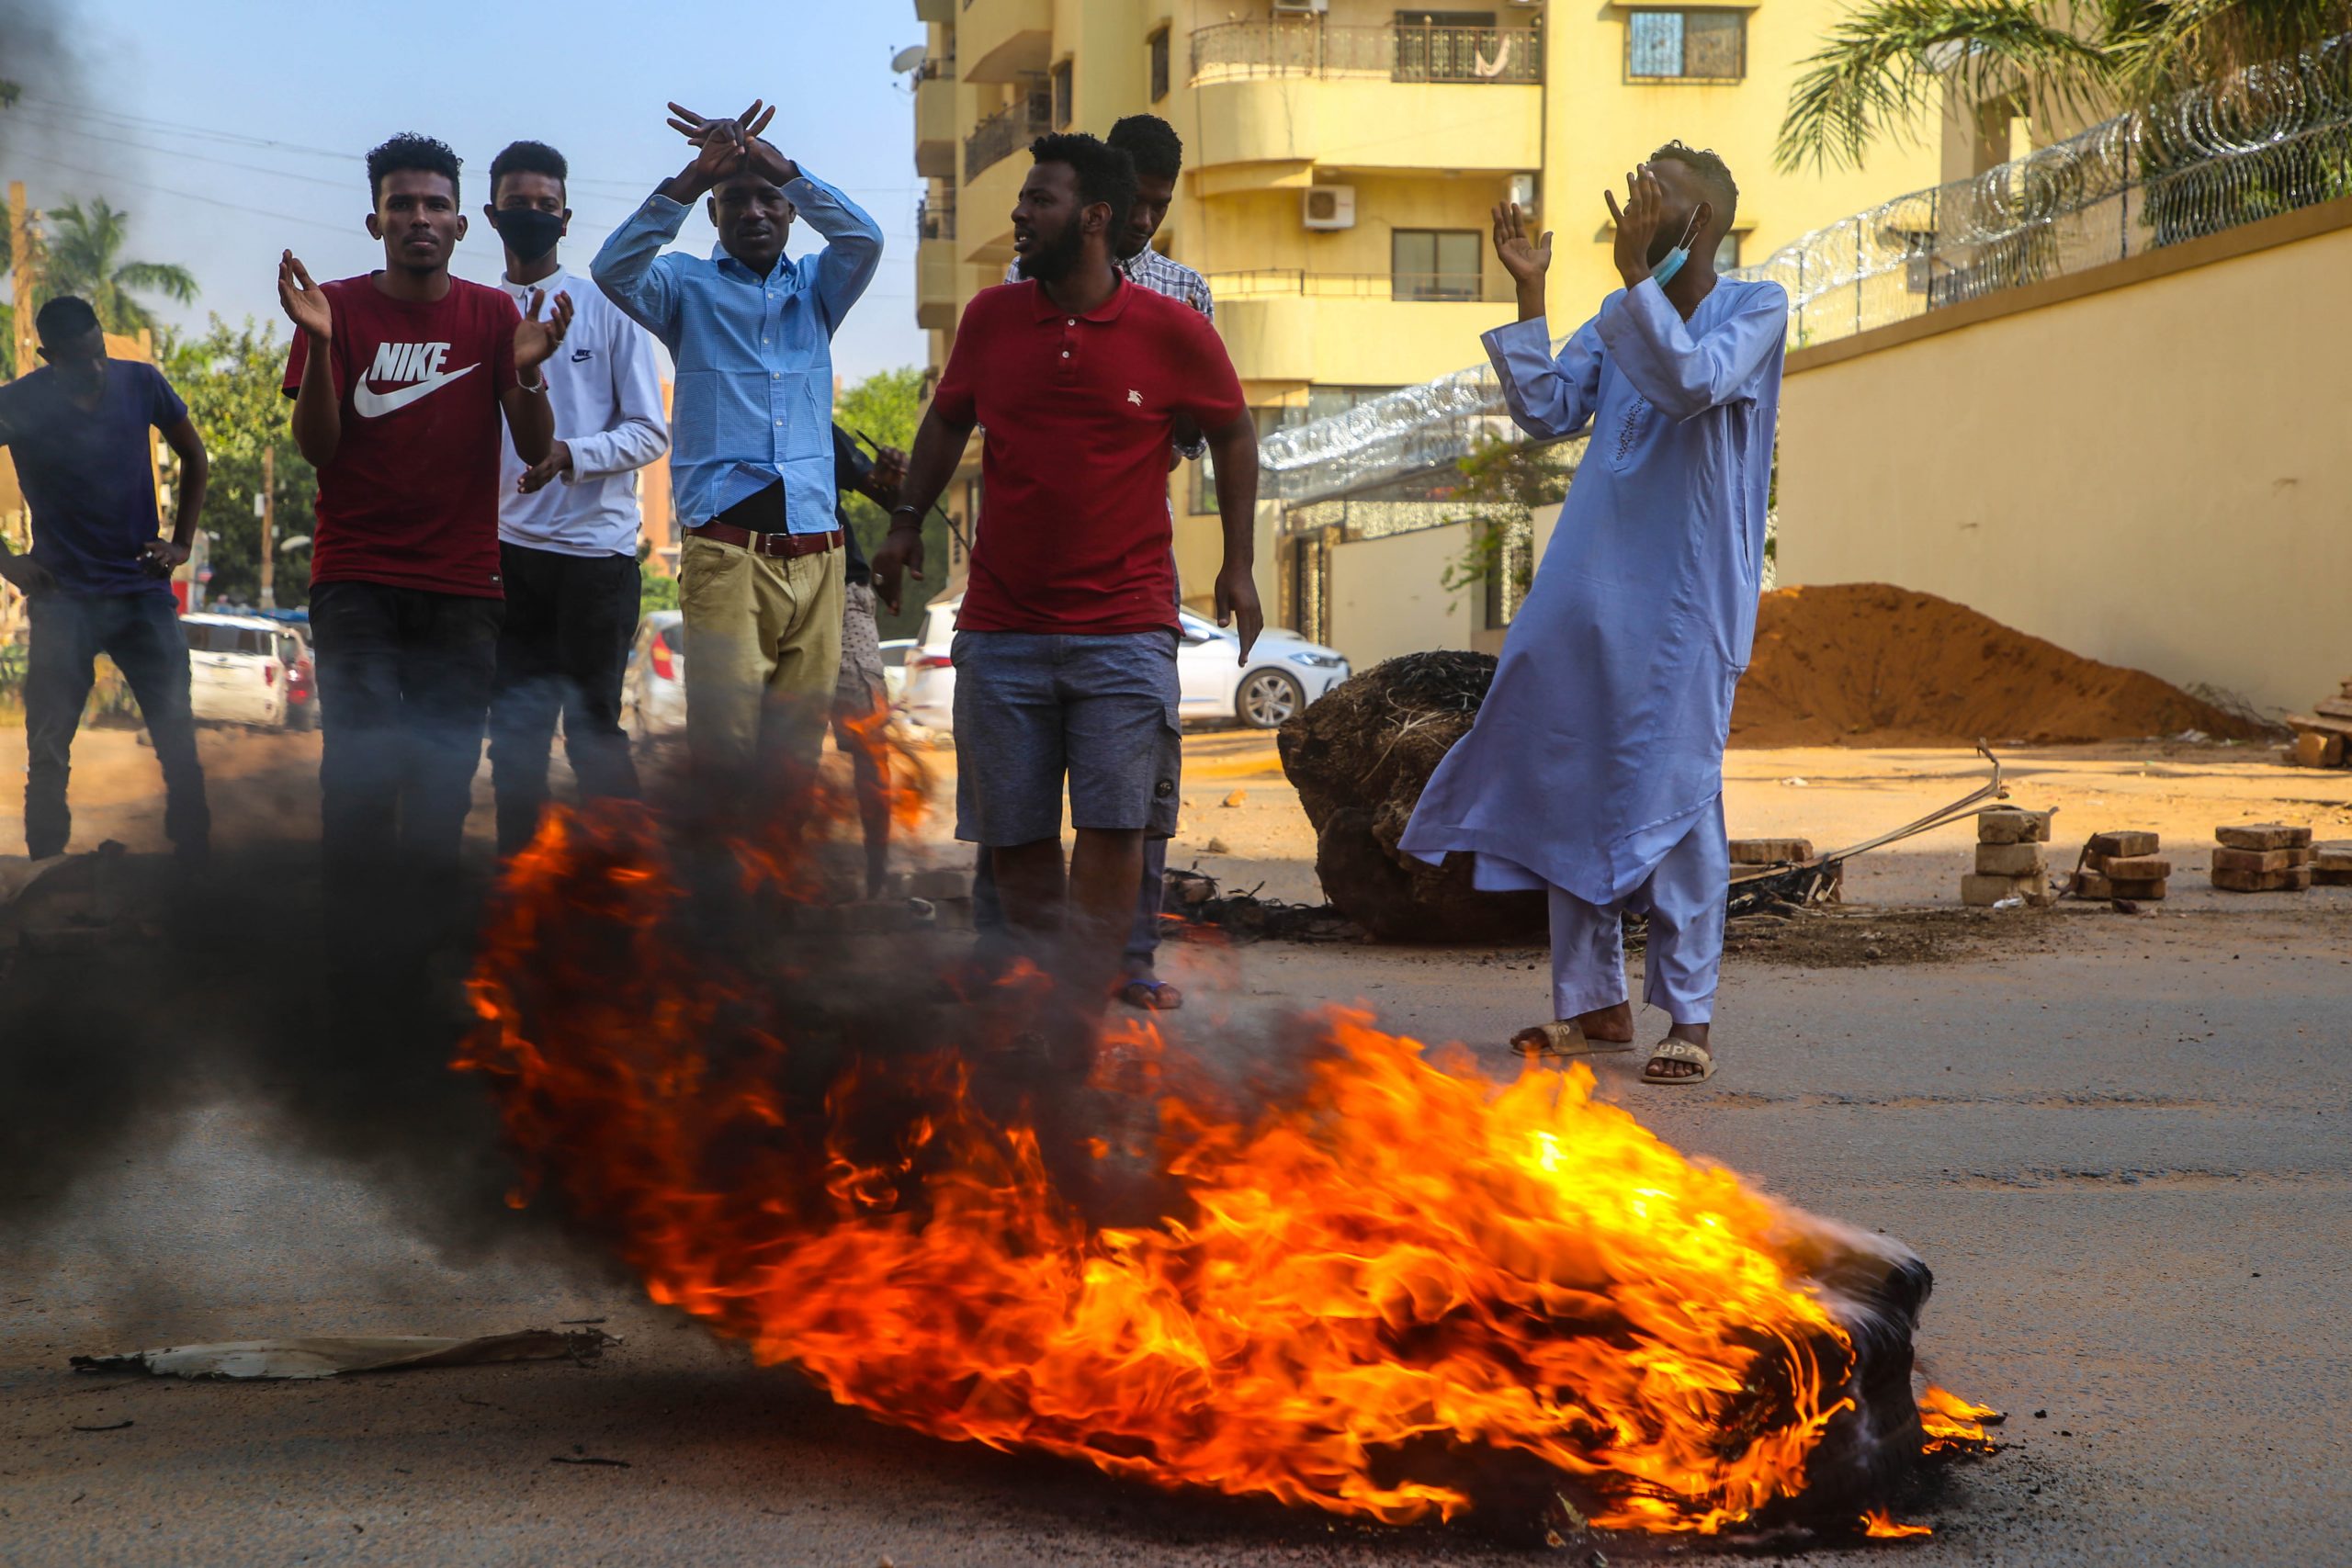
(764, 650)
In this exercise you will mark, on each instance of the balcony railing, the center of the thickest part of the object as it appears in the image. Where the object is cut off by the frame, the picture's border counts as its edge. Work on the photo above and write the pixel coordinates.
(1403, 52)
(1280, 282)
(935, 219)
(1007, 131)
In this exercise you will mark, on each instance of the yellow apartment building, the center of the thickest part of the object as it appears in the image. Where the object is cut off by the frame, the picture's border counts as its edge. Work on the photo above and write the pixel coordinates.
(1340, 160)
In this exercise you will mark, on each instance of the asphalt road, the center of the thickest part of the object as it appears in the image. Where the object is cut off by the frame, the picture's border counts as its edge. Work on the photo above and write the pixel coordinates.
(2119, 1142)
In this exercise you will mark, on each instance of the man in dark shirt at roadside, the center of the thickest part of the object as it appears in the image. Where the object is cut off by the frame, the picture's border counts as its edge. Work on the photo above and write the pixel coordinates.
(96, 576)
(399, 379)
(1066, 643)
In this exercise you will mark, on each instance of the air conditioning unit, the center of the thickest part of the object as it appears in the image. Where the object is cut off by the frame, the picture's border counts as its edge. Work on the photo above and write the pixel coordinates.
(1330, 207)
(1301, 7)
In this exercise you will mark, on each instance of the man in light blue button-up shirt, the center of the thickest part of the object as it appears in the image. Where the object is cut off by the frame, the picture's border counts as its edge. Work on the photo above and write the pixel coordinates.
(751, 447)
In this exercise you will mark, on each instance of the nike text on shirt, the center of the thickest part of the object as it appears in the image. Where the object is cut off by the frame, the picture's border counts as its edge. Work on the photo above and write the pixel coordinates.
(410, 497)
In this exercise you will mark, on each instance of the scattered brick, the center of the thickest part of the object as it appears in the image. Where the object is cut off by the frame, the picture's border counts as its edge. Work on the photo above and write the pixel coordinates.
(2124, 843)
(2012, 825)
(2012, 859)
(2294, 879)
(1769, 852)
(2264, 836)
(2228, 858)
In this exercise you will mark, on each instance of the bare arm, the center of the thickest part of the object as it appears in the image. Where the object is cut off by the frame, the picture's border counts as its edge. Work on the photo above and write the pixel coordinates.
(196, 472)
(939, 447)
(528, 418)
(1235, 448)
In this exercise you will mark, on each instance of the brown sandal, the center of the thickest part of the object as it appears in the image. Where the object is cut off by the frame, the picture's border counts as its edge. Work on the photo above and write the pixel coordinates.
(1563, 1039)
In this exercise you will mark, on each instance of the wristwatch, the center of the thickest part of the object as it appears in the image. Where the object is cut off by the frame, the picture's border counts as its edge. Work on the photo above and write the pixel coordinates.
(913, 516)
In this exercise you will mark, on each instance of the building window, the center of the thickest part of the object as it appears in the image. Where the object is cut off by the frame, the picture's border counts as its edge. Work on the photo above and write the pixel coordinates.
(1434, 263)
(1686, 46)
(1727, 254)
(1160, 66)
(1062, 114)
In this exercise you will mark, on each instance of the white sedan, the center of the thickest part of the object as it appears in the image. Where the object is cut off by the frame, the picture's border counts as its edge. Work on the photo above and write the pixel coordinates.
(1285, 673)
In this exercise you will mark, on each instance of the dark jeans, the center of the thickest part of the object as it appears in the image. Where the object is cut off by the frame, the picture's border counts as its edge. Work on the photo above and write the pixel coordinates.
(141, 633)
(404, 678)
(563, 649)
(1143, 937)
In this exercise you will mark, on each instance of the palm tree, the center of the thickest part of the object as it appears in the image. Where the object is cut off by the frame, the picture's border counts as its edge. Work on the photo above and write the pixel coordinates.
(85, 250)
(1890, 64)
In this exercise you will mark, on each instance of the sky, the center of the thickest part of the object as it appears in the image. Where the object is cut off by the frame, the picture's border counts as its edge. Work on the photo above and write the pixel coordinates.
(231, 132)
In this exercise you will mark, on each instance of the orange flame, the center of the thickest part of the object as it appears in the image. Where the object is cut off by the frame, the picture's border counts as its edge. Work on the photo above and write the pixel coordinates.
(1401, 1255)
(1878, 1526)
(1953, 1425)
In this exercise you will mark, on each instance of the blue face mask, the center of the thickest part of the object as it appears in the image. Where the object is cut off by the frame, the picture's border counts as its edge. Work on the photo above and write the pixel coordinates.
(1665, 270)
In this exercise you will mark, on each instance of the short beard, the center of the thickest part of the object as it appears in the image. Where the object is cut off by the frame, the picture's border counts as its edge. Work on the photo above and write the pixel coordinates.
(1055, 261)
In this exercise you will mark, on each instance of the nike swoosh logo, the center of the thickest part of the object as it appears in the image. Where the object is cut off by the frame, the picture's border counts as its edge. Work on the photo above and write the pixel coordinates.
(368, 403)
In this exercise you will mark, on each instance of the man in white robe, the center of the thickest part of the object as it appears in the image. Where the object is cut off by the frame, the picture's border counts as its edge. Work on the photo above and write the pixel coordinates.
(1594, 768)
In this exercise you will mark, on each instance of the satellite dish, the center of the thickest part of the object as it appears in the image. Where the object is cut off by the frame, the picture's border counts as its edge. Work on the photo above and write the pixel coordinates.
(908, 58)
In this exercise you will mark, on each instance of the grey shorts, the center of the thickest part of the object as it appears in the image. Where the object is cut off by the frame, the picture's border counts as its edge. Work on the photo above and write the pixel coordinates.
(1032, 710)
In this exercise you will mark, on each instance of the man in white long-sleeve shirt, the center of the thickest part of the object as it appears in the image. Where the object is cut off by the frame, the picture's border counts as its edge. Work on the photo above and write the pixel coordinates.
(567, 524)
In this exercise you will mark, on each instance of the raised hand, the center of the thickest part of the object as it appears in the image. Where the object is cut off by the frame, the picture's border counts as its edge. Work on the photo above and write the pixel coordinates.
(535, 341)
(721, 146)
(1527, 259)
(1637, 222)
(304, 301)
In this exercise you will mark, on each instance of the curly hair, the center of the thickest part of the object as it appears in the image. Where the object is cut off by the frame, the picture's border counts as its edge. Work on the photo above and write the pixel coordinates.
(409, 151)
(1104, 173)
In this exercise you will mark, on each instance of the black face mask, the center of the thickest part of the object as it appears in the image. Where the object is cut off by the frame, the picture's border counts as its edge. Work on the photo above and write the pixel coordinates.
(528, 232)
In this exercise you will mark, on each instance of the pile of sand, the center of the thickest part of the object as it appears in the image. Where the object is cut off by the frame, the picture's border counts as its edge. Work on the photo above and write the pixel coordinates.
(1862, 663)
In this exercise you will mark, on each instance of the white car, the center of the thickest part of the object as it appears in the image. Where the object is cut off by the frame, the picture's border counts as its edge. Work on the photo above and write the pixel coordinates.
(895, 654)
(249, 669)
(1285, 673)
(654, 692)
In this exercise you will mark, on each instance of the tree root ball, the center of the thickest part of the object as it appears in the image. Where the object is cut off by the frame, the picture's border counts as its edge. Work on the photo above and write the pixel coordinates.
(1360, 758)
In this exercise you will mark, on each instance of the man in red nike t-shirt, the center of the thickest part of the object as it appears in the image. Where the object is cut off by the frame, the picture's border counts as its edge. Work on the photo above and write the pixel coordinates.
(399, 379)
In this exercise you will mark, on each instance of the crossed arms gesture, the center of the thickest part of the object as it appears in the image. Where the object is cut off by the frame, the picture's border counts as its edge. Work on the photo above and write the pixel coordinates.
(727, 147)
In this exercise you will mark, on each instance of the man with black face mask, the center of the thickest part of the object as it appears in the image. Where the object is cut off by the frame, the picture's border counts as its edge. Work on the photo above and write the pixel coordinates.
(568, 524)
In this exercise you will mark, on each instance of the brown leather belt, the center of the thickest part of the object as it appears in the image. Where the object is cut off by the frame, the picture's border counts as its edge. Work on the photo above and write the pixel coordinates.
(785, 547)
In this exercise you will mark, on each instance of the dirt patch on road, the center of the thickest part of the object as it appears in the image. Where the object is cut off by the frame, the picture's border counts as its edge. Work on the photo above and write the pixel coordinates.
(1858, 939)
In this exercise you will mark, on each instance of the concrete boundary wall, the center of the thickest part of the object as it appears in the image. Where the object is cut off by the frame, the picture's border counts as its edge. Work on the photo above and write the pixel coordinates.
(2149, 463)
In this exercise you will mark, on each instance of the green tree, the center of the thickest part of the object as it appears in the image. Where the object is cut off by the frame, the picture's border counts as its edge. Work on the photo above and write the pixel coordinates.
(1889, 65)
(1503, 484)
(230, 377)
(86, 257)
(888, 407)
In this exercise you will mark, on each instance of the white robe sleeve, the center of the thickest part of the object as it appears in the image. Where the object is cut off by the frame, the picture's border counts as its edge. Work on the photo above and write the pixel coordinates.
(1547, 396)
(1681, 375)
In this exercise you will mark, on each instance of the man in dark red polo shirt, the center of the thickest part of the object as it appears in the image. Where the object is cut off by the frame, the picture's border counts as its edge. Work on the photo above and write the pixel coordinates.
(1065, 645)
